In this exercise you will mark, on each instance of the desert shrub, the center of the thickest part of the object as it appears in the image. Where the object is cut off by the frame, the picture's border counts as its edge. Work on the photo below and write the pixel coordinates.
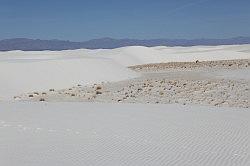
(98, 88)
(42, 99)
(98, 92)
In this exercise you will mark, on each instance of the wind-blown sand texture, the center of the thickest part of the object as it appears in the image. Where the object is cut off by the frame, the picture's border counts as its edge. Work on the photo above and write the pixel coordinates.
(79, 134)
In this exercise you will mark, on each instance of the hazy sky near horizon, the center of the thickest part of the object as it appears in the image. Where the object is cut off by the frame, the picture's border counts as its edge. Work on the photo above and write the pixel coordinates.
(81, 20)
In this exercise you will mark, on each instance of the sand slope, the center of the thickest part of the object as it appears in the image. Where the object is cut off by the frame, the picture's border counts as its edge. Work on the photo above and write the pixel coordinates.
(76, 134)
(19, 75)
(130, 56)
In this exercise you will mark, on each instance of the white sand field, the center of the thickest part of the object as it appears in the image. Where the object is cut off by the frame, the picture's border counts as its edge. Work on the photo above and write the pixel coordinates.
(209, 126)
(37, 71)
(76, 134)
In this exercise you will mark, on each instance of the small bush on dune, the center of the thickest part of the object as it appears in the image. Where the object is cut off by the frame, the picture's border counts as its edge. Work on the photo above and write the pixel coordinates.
(98, 88)
(98, 92)
(42, 99)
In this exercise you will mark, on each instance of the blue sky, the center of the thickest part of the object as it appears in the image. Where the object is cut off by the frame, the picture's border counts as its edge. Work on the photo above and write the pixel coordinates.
(81, 20)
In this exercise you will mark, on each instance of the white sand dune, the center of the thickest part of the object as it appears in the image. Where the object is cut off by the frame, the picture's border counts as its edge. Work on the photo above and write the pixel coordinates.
(36, 71)
(24, 74)
(77, 134)
(137, 55)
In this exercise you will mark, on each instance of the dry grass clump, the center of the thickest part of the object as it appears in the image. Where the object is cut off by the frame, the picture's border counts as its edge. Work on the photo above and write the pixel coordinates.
(98, 92)
(42, 99)
(98, 88)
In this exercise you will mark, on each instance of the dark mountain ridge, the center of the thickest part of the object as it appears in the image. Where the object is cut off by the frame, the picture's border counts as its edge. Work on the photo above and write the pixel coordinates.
(109, 43)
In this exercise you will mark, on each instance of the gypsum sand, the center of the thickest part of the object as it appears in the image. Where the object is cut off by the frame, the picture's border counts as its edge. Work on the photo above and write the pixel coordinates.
(174, 82)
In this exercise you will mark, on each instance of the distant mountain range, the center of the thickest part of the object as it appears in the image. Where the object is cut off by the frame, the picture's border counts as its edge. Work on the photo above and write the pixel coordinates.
(109, 43)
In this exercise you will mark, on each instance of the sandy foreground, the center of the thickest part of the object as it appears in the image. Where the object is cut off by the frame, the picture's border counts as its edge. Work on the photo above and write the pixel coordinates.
(76, 134)
(129, 106)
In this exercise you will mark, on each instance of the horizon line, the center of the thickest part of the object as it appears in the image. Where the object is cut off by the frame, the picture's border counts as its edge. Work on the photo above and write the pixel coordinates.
(110, 38)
